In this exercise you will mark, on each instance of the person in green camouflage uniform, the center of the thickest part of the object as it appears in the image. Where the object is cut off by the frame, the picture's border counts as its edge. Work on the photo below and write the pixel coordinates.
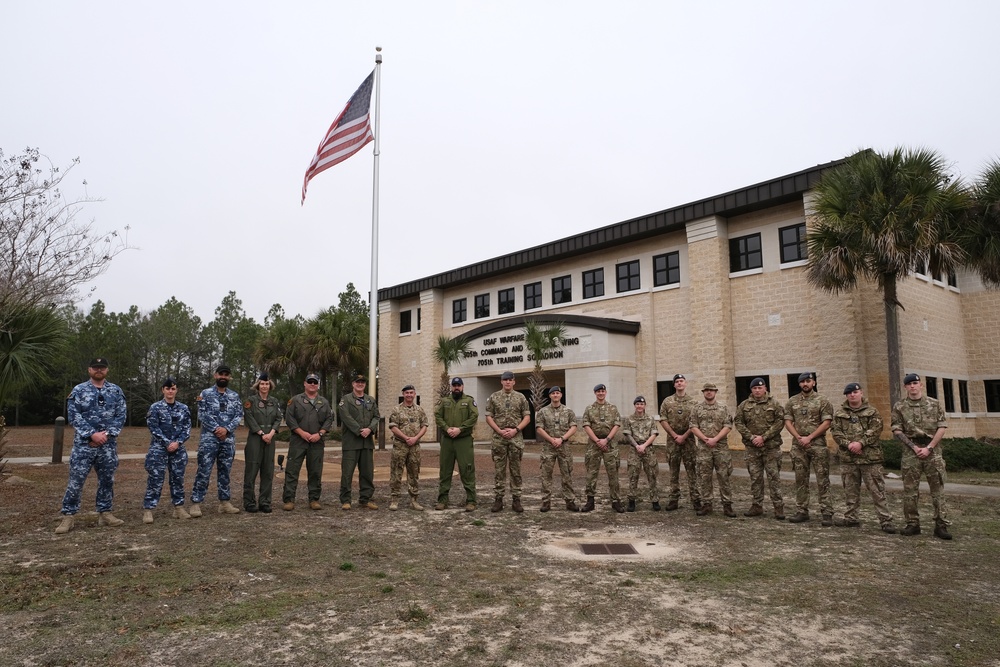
(759, 419)
(507, 413)
(918, 421)
(602, 421)
(407, 423)
(555, 424)
(808, 415)
(857, 428)
(710, 424)
(639, 432)
(682, 446)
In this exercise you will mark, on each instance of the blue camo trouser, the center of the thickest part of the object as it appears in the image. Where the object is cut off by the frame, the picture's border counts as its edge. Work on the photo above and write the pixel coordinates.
(158, 462)
(104, 460)
(210, 451)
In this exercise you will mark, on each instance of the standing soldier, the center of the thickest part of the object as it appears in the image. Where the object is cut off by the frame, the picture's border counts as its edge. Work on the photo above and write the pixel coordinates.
(220, 412)
(639, 431)
(359, 417)
(456, 416)
(507, 413)
(169, 425)
(710, 424)
(759, 420)
(808, 415)
(675, 418)
(918, 422)
(96, 411)
(263, 417)
(555, 424)
(857, 427)
(407, 423)
(602, 421)
(309, 417)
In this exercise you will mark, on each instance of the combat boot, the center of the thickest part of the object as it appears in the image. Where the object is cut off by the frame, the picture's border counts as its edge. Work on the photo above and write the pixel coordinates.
(779, 512)
(515, 504)
(226, 507)
(888, 528)
(755, 510)
(941, 531)
(631, 504)
(571, 506)
(180, 512)
(672, 504)
(696, 504)
(705, 509)
(108, 519)
(147, 516)
(469, 507)
(847, 523)
(656, 507)
(393, 505)
(414, 505)
(727, 509)
(65, 525)
(440, 506)
(617, 506)
(497, 504)
(589, 506)
(546, 506)
(827, 520)
(196, 510)
(800, 517)
(911, 529)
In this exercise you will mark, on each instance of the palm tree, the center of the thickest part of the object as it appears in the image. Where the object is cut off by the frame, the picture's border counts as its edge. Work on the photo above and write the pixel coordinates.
(334, 342)
(279, 350)
(449, 351)
(979, 233)
(878, 217)
(30, 339)
(540, 340)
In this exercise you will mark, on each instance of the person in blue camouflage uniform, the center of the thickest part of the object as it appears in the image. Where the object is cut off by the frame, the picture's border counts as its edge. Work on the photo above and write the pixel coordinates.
(262, 413)
(220, 412)
(169, 425)
(96, 411)
(759, 419)
(639, 432)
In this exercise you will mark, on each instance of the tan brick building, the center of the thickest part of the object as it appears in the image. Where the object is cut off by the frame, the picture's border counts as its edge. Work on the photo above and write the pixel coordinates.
(716, 290)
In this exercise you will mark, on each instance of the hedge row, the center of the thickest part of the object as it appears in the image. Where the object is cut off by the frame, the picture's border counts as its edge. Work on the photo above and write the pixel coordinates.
(959, 454)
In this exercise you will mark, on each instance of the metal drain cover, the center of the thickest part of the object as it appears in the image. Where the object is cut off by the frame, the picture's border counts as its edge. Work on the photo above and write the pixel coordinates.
(608, 549)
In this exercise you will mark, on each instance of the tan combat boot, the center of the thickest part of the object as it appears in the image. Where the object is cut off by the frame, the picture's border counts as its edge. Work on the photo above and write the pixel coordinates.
(226, 507)
(180, 512)
(147, 516)
(195, 510)
(108, 519)
(415, 505)
(65, 525)
(393, 505)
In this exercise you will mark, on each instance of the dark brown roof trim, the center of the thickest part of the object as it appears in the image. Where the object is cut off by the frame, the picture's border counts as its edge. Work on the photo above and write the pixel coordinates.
(602, 323)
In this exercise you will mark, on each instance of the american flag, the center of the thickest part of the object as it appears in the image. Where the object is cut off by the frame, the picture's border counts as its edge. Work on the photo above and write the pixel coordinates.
(348, 134)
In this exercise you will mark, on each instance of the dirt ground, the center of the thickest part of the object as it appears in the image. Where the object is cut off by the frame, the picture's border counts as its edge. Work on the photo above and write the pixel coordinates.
(331, 587)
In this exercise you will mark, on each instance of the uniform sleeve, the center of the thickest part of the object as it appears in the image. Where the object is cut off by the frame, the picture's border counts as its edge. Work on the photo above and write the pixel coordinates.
(328, 422)
(525, 410)
(153, 424)
(618, 418)
(490, 407)
(470, 421)
(347, 417)
(779, 422)
(251, 417)
(896, 416)
(393, 419)
(423, 417)
(376, 417)
(276, 424)
(207, 413)
(185, 425)
(237, 415)
(729, 418)
(627, 426)
(439, 416)
(741, 425)
(942, 421)
(80, 425)
(874, 431)
(291, 415)
(790, 412)
(826, 412)
(120, 414)
(586, 418)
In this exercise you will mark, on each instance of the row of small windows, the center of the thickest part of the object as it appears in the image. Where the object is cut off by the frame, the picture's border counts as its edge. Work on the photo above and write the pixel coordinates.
(666, 271)
(745, 252)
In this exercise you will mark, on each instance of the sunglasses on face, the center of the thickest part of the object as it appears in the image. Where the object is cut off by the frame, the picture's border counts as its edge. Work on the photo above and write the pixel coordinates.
(312, 381)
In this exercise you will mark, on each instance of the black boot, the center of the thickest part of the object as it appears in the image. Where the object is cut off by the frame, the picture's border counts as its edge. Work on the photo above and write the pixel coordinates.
(589, 507)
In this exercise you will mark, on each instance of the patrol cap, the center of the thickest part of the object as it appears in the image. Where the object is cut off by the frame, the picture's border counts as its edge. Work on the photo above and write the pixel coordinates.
(599, 387)
(358, 377)
(455, 381)
(809, 375)
(98, 362)
(555, 388)
(409, 387)
(853, 386)
(169, 382)
(263, 377)
(757, 382)
(639, 399)
(312, 376)
(709, 386)
(679, 377)
(912, 377)
(507, 375)
(223, 368)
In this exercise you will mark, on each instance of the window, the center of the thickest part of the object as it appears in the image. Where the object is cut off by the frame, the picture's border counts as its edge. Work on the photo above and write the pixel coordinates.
(930, 386)
(743, 387)
(952, 279)
(744, 253)
(405, 318)
(562, 290)
(963, 395)
(793, 243)
(992, 395)
(505, 301)
(459, 312)
(482, 306)
(533, 296)
(418, 319)
(628, 276)
(593, 283)
(949, 395)
(664, 388)
(667, 269)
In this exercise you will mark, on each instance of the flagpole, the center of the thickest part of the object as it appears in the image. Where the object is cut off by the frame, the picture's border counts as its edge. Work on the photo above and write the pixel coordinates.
(373, 299)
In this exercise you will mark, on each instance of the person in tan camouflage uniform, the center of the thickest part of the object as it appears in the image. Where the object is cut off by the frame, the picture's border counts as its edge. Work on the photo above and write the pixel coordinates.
(639, 432)
(808, 415)
(759, 419)
(857, 427)
(675, 418)
(711, 423)
(602, 421)
(507, 413)
(918, 421)
(407, 423)
(555, 424)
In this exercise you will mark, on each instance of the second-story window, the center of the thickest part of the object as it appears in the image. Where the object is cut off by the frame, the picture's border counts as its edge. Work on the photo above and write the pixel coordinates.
(482, 306)
(562, 289)
(628, 276)
(505, 301)
(745, 253)
(532, 296)
(459, 311)
(593, 283)
(793, 243)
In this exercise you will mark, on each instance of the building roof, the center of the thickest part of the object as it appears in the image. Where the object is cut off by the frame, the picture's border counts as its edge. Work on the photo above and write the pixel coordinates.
(775, 192)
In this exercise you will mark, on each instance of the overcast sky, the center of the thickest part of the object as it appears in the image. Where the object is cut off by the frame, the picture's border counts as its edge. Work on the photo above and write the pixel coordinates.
(503, 124)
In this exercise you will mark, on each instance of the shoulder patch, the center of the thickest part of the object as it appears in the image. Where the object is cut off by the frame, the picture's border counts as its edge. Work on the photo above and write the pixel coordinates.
(474, 403)
(199, 397)
(246, 404)
(341, 402)
(290, 401)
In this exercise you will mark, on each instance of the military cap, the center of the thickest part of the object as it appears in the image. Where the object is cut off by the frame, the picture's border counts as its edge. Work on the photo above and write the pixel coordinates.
(809, 375)
(312, 376)
(456, 381)
(507, 375)
(912, 377)
(98, 362)
(599, 387)
(709, 386)
(358, 377)
(679, 377)
(169, 382)
(555, 388)
(409, 387)
(852, 386)
(263, 377)
(223, 368)
(639, 399)
(757, 382)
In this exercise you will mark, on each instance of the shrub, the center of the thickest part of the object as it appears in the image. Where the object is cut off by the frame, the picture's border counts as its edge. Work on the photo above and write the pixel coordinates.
(959, 454)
